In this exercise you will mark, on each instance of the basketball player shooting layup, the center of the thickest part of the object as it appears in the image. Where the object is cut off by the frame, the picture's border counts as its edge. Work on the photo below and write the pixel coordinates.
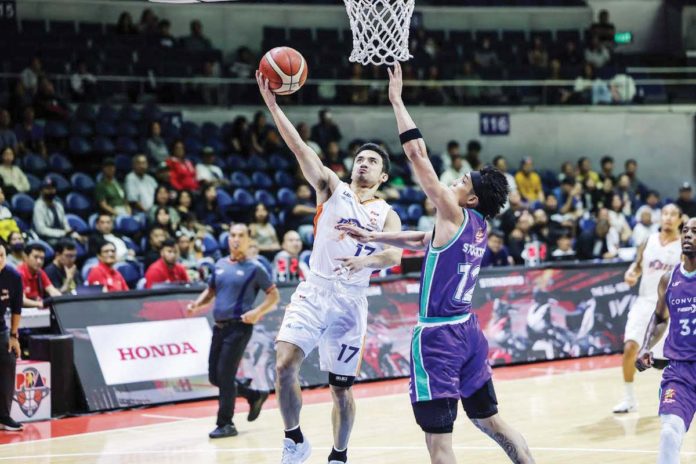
(449, 351)
(329, 309)
(659, 253)
(676, 300)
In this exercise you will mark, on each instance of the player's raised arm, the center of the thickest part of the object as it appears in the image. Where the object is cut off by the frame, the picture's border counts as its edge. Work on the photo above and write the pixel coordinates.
(414, 147)
(319, 176)
(407, 239)
(656, 327)
(635, 269)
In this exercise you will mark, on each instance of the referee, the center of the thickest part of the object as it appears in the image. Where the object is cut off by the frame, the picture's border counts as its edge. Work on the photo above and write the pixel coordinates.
(10, 297)
(234, 284)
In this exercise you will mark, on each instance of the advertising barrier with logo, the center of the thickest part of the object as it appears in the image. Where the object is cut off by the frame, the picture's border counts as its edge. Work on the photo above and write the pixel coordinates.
(139, 347)
(31, 400)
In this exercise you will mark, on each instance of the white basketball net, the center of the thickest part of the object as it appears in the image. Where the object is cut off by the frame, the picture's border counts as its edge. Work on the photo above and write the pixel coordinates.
(380, 30)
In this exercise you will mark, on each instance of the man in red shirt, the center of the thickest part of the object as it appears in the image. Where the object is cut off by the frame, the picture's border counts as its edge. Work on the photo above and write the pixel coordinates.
(166, 269)
(182, 174)
(36, 283)
(104, 273)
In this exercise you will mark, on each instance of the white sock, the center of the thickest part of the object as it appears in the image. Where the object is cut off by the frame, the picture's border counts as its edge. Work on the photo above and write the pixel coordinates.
(671, 436)
(628, 386)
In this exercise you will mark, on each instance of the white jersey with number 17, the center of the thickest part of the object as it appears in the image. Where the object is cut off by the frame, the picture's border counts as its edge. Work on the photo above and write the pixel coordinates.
(344, 207)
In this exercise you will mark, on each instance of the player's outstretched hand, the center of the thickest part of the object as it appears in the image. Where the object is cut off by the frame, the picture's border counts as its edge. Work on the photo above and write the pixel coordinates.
(644, 360)
(267, 94)
(361, 235)
(396, 83)
(630, 277)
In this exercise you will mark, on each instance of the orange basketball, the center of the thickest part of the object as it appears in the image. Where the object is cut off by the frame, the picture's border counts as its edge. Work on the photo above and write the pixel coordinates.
(285, 68)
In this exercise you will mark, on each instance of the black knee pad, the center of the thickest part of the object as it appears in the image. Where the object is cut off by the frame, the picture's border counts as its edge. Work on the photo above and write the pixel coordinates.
(436, 416)
(483, 403)
(345, 381)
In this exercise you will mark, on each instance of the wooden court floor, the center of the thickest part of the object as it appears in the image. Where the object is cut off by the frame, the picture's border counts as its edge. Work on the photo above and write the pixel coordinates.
(564, 413)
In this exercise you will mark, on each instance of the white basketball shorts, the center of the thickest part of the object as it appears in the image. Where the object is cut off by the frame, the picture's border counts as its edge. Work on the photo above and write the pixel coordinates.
(637, 324)
(331, 316)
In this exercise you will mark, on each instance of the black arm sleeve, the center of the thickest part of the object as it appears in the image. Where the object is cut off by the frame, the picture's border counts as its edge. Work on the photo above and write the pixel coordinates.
(16, 295)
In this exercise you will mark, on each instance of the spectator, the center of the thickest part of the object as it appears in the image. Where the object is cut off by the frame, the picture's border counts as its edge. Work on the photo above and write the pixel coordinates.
(597, 54)
(16, 248)
(104, 274)
(252, 254)
(564, 248)
(104, 228)
(207, 172)
(148, 22)
(184, 203)
(166, 270)
(458, 168)
(686, 200)
(30, 136)
(186, 251)
(567, 170)
(182, 174)
(652, 203)
(140, 186)
(31, 74)
(628, 195)
(163, 199)
(426, 223)
(207, 210)
(156, 238)
(469, 93)
(7, 222)
(239, 139)
(164, 220)
(325, 130)
(359, 94)
(109, 195)
(244, 64)
(165, 38)
(263, 231)
(569, 196)
(644, 226)
(604, 30)
(520, 236)
(124, 25)
(287, 266)
(334, 160)
(473, 153)
(585, 171)
(49, 220)
(607, 164)
(571, 56)
(63, 273)
(600, 243)
(537, 56)
(500, 163)
(19, 99)
(157, 148)
(496, 254)
(485, 57)
(592, 197)
(13, 178)
(529, 182)
(196, 41)
(637, 188)
(36, 284)
(446, 157)
(582, 88)
(7, 135)
(301, 217)
(48, 105)
(83, 83)
(509, 218)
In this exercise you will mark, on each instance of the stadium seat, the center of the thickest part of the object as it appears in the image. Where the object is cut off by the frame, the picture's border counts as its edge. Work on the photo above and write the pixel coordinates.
(60, 164)
(131, 245)
(210, 129)
(193, 146)
(130, 271)
(106, 128)
(236, 163)
(279, 162)
(34, 164)
(256, 163)
(401, 211)
(210, 245)
(127, 128)
(61, 183)
(284, 179)
(81, 250)
(215, 143)
(82, 183)
(286, 198)
(243, 199)
(34, 184)
(104, 146)
(78, 224)
(127, 225)
(78, 204)
(124, 164)
(106, 113)
(22, 205)
(224, 200)
(85, 112)
(23, 226)
(414, 212)
(239, 179)
(125, 144)
(222, 240)
(55, 130)
(411, 195)
(79, 146)
(130, 114)
(81, 128)
(152, 112)
(265, 197)
(261, 180)
(47, 248)
(89, 264)
(191, 129)
(304, 256)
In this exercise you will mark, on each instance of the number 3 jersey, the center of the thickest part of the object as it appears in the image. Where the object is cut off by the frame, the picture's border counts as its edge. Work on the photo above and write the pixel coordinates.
(450, 272)
(344, 207)
(681, 302)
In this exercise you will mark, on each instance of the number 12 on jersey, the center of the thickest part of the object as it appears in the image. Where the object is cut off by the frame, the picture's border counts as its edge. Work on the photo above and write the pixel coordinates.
(468, 273)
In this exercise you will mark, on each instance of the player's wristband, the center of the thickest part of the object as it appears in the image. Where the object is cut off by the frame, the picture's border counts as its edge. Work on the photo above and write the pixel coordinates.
(411, 134)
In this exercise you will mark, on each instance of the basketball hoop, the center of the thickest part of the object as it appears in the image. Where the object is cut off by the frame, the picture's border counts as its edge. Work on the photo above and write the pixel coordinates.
(380, 30)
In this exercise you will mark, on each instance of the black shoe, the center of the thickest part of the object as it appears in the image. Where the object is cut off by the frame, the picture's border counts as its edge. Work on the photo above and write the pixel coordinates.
(228, 430)
(256, 404)
(9, 424)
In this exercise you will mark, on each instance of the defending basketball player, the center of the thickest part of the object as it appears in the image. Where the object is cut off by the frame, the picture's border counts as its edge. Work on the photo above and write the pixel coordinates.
(677, 301)
(659, 253)
(449, 351)
(329, 309)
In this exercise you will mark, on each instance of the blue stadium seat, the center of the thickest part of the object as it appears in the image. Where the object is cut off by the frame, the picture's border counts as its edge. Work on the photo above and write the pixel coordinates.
(215, 143)
(78, 204)
(222, 240)
(193, 146)
(224, 200)
(152, 112)
(104, 146)
(22, 204)
(61, 183)
(131, 245)
(127, 128)
(401, 211)
(414, 212)
(34, 184)
(279, 162)
(129, 113)
(79, 146)
(47, 248)
(23, 226)
(411, 195)
(81, 250)
(123, 163)
(210, 129)
(81, 128)
(82, 183)
(239, 179)
(256, 163)
(236, 163)
(265, 197)
(286, 198)
(170, 131)
(127, 225)
(34, 164)
(78, 224)
(85, 112)
(56, 130)
(243, 199)
(106, 128)
(125, 144)
(210, 245)
(284, 179)
(60, 164)
(89, 264)
(130, 271)
(191, 129)
(261, 180)
(307, 236)
(107, 113)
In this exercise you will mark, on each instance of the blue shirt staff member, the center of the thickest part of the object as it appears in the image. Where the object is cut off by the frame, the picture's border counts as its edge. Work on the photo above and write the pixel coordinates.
(234, 284)
(11, 295)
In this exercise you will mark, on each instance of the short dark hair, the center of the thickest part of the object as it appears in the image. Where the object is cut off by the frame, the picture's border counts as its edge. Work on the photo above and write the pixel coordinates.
(452, 144)
(169, 243)
(568, 180)
(386, 162)
(492, 192)
(101, 243)
(34, 247)
(497, 233)
(606, 159)
(64, 244)
(581, 160)
(630, 161)
(473, 145)
(497, 158)
(5, 245)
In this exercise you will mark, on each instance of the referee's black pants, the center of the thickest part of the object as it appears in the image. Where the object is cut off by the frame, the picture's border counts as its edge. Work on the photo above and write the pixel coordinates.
(8, 362)
(226, 351)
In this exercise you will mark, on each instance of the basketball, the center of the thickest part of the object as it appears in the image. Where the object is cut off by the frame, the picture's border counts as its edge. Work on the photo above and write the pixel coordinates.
(285, 68)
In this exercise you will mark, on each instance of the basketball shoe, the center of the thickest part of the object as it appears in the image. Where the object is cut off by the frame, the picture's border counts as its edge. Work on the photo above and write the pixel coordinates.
(295, 453)
(626, 406)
